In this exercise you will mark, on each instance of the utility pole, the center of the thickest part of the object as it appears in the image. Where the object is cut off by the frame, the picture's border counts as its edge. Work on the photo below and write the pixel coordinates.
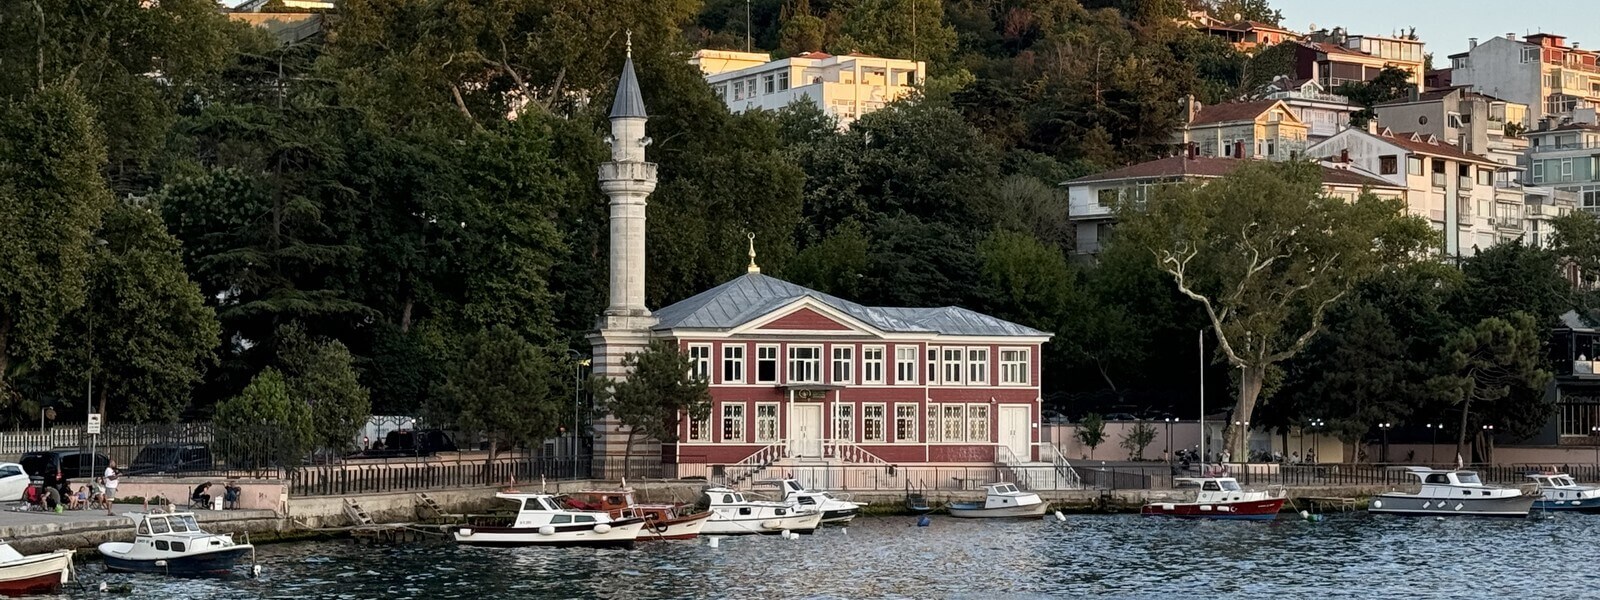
(746, 25)
(913, 30)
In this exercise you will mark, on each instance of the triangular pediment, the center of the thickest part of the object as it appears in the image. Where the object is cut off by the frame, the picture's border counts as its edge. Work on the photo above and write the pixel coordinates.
(808, 315)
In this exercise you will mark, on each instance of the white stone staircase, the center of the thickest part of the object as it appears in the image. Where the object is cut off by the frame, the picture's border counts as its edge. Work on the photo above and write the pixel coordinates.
(1053, 473)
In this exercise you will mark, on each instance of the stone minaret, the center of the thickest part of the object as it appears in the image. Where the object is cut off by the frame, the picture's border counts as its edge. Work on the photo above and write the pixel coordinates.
(624, 327)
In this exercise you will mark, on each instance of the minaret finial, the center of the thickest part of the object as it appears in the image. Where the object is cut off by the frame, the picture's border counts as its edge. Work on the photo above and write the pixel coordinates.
(629, 34)
(752, 268)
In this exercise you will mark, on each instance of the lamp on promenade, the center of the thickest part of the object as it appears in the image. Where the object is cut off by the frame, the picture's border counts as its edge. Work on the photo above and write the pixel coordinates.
(1433, 440)
(1169, 442)
(1384, 427)
(1316, 437)
(1593, 432)
(579, 361)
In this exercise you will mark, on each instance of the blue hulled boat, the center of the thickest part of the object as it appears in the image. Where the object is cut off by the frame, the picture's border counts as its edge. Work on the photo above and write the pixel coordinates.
(1558, 491)
(174, 544)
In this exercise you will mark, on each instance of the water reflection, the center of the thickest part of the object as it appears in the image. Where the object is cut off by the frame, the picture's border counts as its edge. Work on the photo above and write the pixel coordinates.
(1347, 556)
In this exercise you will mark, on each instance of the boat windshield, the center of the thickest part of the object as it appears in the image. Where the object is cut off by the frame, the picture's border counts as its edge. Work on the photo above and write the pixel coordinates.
(184, 523)
(1231, 486)
(1565, 481)
(1469, 478)
(159, 525)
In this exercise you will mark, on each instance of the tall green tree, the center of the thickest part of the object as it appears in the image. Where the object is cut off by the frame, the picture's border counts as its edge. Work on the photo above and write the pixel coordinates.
(1265, 253)
(322, 374)
(503, 387)
(51, 199)
(145, 336)
(1497, 365)
(658, 394)
(264, 427)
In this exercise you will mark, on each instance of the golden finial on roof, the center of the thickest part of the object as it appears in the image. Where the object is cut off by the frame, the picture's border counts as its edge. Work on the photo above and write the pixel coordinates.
(629, 34)
(752, 268)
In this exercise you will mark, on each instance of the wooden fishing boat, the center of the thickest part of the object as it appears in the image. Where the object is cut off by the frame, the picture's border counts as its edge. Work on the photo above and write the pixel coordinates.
(662, 521)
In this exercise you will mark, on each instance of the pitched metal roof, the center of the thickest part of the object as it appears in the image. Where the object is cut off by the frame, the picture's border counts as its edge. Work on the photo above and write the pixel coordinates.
(753, 295)
(1180, 167)
(629, 103)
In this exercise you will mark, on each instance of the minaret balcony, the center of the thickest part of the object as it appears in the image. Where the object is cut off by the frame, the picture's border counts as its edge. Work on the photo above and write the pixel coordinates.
(628, 171)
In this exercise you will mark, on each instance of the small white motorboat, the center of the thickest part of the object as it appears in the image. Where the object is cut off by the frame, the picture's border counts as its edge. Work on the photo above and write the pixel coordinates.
(732, 514)
(33, 574)
(1454, 492)
(1001, 500)
(1561, 492)
(542, 521)
(834, 509)
(174, 544)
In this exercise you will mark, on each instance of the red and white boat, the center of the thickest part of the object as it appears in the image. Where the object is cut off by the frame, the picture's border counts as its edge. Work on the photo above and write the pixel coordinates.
(1218, 498)
(34, 574)
(661, 521)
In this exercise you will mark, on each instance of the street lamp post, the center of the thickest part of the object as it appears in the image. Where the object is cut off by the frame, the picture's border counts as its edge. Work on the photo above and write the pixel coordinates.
(1433, 440)
(1316, 438)
(1593, 432)
(1384, 456)
(578, 362)
(1169, 442)
(1488, 432)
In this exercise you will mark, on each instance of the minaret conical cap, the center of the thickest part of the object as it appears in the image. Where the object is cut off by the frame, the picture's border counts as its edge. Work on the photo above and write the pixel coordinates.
(628, 103)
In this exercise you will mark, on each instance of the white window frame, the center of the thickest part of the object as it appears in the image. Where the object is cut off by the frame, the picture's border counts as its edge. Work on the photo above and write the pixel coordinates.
(905, 420)
(872, 364)
(1015, 371)
(844, 421)
(932, 420)
(700, 429)
(723, 422)
(700, 358)
(868, 422)
(903, 374)
(733, 363)
(954, 425)
(978, 424)
(978, 365)
(1538, 171)
(1566, 169)
(956, 367)
(783, 80)
(813, 364)
(771, 420)
(933, 365)
(842, 364)
(777, 362)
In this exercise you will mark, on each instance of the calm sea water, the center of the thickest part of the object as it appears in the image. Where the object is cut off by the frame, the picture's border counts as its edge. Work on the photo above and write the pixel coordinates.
(1346, 556)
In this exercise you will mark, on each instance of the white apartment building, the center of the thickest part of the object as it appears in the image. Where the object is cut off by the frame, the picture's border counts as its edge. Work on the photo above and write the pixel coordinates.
(1453, 189)
(1541, 71)
(1092, 200)
(1323, 113)
(845, 86)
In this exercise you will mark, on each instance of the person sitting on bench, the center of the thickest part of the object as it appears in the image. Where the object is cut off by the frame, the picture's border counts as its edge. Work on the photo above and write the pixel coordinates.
(201, 496)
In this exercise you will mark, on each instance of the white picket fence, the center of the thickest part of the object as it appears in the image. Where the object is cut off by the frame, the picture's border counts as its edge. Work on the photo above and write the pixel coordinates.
(16, 443)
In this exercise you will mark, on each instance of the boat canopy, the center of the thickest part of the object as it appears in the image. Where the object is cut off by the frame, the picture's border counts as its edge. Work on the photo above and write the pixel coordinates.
(1446, 477)
(1209, 484)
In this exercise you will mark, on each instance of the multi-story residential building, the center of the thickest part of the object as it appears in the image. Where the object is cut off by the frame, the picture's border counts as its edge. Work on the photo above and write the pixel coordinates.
(1541, 71)
(1478, 124)
(1323, 114)
(1092, 199)
(845, 86)
(1541, 204)
(1567, 158)
(800, 376)
(1336, 58)
(1451, 188)
(1265, 129)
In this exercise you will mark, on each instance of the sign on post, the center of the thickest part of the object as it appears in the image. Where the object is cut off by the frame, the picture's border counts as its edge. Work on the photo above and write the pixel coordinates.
(94, 424)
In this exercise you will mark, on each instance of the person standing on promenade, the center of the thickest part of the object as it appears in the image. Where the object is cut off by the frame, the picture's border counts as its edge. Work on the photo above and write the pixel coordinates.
(111, 485)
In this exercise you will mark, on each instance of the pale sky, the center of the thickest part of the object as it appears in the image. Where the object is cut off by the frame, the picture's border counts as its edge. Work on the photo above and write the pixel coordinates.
(1445, 25)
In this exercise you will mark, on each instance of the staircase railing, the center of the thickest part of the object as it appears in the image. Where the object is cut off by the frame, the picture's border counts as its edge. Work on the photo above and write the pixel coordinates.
(1017, 465)
(1052, 454)
(754, 464)
(850, 453)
